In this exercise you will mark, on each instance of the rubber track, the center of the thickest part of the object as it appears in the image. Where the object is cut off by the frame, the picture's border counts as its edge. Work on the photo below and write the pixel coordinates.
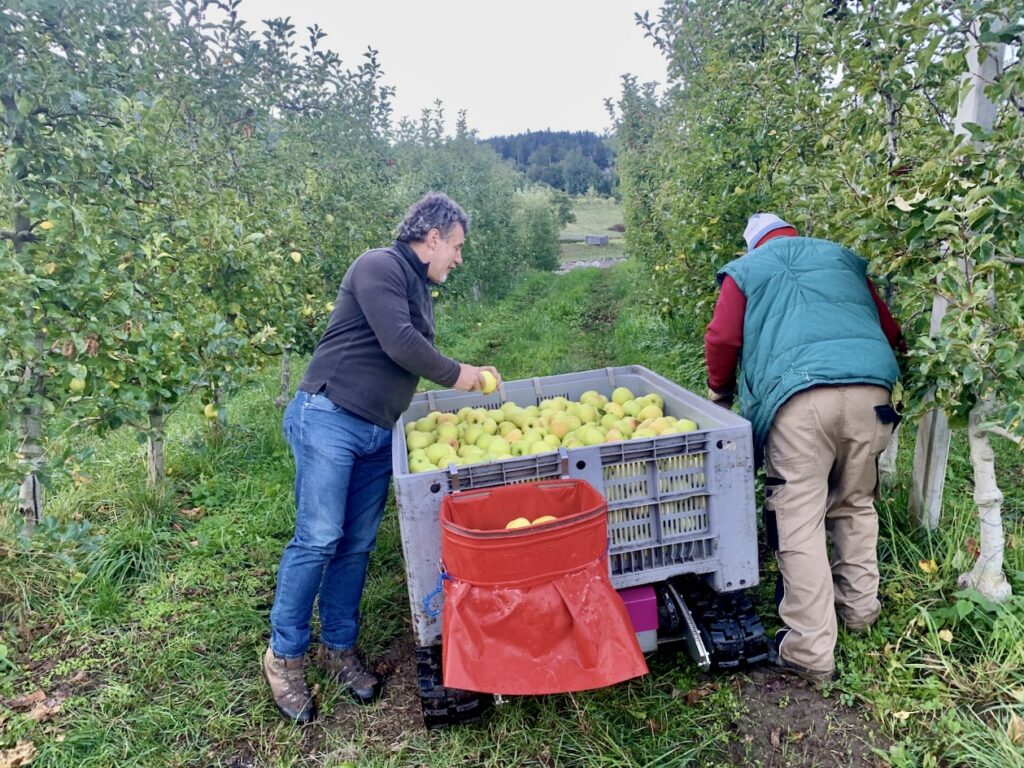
(444, 707)
(729, 626)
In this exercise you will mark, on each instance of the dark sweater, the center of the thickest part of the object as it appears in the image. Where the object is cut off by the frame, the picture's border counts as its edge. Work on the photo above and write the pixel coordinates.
(380, 338)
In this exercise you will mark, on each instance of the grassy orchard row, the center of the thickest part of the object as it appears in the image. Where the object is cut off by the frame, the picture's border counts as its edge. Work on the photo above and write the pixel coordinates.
(479, 435)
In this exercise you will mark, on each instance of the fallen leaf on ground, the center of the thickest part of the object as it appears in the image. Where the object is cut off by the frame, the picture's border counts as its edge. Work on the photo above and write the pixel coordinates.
(1015, 729)
(28, 700)
(973, 550)
(700, 692)
(22, 754)
(928, 566)
(44, 710)
(776, 737)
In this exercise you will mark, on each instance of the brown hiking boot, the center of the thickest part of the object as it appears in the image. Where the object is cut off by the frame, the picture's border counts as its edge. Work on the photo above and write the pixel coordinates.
(817, 678)
(345, 668)
(287, 678)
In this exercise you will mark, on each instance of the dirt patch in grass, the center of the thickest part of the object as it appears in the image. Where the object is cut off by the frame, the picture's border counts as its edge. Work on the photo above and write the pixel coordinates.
(386, 725)
(788, 723)
(344, 732)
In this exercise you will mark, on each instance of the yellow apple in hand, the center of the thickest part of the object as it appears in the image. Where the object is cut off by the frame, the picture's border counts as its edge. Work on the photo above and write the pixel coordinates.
(490, 383)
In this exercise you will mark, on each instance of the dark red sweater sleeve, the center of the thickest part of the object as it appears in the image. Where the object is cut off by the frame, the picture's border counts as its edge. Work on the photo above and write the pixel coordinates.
(724, 338)
(890, 327)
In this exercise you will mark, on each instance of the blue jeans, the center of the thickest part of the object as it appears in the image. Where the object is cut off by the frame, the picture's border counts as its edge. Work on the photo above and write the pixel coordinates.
(342, 472)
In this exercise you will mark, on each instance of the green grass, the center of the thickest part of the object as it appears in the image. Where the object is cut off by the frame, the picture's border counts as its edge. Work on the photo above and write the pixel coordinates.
(146, 613)
(594, 216)
(569, 252)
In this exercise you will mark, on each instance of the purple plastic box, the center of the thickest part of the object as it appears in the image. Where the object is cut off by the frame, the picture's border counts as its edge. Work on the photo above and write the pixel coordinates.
(642, 607)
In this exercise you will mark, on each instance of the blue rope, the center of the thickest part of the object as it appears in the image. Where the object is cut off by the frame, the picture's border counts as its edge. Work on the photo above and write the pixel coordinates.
(442, 576)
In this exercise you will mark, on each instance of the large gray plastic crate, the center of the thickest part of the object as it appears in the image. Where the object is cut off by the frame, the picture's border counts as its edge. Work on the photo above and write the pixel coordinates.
(681, 503)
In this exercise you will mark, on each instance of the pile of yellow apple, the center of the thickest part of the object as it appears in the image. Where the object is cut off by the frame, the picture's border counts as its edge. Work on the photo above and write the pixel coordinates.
(479, 435)
(523, 522)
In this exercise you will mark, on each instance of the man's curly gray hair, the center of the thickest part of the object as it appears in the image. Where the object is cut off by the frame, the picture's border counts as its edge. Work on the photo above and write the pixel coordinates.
(435, 210)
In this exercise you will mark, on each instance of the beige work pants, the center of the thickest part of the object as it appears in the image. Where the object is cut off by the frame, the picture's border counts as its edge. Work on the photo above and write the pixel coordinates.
(821, 463)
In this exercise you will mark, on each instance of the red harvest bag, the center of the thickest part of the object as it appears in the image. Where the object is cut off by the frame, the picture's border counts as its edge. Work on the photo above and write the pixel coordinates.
(532, 610)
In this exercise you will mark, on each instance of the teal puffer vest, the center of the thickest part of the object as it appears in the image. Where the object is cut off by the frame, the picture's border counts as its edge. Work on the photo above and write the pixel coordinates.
(810, 320)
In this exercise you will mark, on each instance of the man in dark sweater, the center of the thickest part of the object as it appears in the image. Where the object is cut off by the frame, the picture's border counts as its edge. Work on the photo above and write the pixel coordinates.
(379, 342)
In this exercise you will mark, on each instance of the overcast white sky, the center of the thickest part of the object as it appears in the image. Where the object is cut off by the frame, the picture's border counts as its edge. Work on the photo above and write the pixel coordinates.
(513, 66)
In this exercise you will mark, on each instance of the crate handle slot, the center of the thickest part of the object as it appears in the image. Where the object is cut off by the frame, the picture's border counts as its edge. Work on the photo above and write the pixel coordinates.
(610, 372)
(538, 390)
(431, 403)
(563, 463)
(453, 475)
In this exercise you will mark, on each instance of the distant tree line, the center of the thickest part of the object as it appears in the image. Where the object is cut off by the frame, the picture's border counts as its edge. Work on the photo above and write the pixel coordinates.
(572, 161)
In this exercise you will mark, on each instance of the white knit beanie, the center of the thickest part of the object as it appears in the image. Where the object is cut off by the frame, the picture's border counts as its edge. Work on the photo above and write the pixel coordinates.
(759, 225)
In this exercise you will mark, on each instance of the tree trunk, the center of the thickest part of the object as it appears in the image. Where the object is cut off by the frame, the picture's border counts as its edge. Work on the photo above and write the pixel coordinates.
(30, 428)
(217, 425)
(284, 393)
(30, 453)
(984, 66)
(30, 423)
(155, 468)
(987, 575)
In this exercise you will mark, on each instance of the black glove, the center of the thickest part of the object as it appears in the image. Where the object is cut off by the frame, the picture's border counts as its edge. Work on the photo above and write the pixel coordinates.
(723, 399)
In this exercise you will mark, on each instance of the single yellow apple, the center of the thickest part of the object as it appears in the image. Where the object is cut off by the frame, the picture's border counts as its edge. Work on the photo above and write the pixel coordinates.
(490, 383)
(519, 522)
(621, 395)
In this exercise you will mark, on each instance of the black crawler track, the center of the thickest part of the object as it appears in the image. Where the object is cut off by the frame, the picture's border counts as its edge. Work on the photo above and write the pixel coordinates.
(443, 707)
(729, 626)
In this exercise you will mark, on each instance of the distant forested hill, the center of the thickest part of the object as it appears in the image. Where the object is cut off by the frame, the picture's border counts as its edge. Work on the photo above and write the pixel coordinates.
(570, 161)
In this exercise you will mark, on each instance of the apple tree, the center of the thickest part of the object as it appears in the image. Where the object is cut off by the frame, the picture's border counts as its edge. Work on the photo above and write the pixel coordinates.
(843, 121)
(69, 186)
